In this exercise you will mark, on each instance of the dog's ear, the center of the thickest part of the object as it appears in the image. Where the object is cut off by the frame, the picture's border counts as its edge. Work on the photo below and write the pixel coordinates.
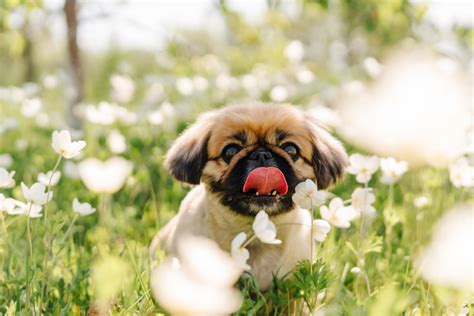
(188, 155)
(329, 156)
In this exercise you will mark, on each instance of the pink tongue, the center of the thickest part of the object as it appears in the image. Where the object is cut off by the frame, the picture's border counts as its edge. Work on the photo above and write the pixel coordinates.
(265, 180)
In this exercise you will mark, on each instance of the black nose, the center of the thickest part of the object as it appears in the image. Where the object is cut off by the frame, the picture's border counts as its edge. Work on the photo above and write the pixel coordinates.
(261, 155)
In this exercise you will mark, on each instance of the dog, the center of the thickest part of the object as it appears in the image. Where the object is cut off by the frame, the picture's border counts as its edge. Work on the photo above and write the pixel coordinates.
(221, 150)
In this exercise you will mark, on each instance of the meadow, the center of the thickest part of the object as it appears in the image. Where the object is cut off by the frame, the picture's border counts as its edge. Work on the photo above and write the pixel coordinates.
(67, 256)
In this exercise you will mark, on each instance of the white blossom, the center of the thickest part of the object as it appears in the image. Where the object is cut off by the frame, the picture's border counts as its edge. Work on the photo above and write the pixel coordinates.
(363, 167)
(6, 178)
(307, 195)
(264, 228)
(36, 194)
(337, 214)
(64, 146)
(49, 178)
(392, 170)
(239, 253)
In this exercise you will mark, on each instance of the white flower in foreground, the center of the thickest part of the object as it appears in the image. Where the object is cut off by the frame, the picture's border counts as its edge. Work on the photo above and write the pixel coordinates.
(239, 253)
(6, 204)
(202, 284)
(82, 209)
(6, 160)
(447, 260)
(362, 200)
(307, 195)
(45, 178)
(392, 170)
(294, 51)
(6, 179)
(264, 229)
(105, 177)
(279, 94)
(30, 209)
(337, 214)
(321, 229)
(363, 167)
(63, 145)
(36, 194)
(461, 173)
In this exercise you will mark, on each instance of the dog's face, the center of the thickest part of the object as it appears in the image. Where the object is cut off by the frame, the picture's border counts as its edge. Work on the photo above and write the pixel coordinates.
(252, 156)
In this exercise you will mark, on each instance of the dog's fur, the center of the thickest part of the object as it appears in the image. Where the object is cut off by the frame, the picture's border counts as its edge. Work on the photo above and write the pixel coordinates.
(218, 209)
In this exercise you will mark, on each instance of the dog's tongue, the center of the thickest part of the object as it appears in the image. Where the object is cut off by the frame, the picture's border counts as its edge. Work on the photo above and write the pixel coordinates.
(265, 180)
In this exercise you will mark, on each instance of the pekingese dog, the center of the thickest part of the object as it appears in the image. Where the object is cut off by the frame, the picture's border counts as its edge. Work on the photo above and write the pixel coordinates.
(246, 158)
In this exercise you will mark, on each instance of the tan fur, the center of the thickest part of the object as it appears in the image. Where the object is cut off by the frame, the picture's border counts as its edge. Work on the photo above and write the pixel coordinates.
(195, 157)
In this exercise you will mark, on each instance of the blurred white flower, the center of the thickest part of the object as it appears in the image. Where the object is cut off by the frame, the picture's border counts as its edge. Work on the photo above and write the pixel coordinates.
(461, 173)
(239, 253)
(6, 160)
(294, 51)
(63, 145)
(6, 178)
(103, 114)
(123, 88)
(30, 209)
(184, 86)
(337, 214)
(264, 229)
(44, 178)
(305, 76)
(21, 144)
(163, 115)
(307, 195)
(356, 270)
(31, 107)
(205, 262)
(50, 81)
(362, 200)
(70, 169)
(392, 170)
(447, 260)
(180, 294)
(200, 83)
(421, 201)
(279, 94)
(82, 209)
(414, 111)
(36, 194)
(116, 142)
(363, 167)
(327, 116)
(105, 177)
(321, 229)
(6, 204)
(226, 83)
(154, 93)
(372, 67)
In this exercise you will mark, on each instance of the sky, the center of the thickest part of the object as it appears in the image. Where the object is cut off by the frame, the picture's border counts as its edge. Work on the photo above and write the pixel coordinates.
(147, 24)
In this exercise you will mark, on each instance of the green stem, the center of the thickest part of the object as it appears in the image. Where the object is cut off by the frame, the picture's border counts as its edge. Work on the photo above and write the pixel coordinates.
(29, 256)
(58, 161)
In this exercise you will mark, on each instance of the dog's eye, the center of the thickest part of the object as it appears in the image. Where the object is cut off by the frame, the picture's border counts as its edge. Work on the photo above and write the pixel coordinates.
(291, 149)
(229, 151)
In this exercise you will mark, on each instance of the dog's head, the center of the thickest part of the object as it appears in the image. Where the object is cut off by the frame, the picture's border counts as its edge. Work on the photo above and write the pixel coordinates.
(252, 156)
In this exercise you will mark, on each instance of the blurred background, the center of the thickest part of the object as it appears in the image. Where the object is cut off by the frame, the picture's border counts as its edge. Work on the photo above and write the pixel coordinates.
(392, 78)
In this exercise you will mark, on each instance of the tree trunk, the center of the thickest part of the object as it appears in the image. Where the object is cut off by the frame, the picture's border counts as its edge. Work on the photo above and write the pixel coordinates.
(70, 10)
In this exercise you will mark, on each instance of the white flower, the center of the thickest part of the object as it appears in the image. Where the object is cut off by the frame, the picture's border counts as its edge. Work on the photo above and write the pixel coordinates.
(392, 170)
(239, 253)
(184, 86)
(362, 200)
(447, 260)
(63, 145)
(372, 67)
(363, 167)
(82, 209)
(36, 194)
(6, 178)
(294, 51)
(123, 88)
(163, 115)
(6, 204)
(321, 229)
(44, 178)
(6, 160)
(305, 76)
(461, 173)
(31, 107)
(70, 169)
(356, 270)
(421, 201)
(30, 209)
(105, 177)
(337, 214)
(264, 229)
(307, 195)
(116, 142)
(279, 94)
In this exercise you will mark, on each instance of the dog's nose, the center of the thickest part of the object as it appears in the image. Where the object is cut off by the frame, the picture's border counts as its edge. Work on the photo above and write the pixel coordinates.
(261, 155)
